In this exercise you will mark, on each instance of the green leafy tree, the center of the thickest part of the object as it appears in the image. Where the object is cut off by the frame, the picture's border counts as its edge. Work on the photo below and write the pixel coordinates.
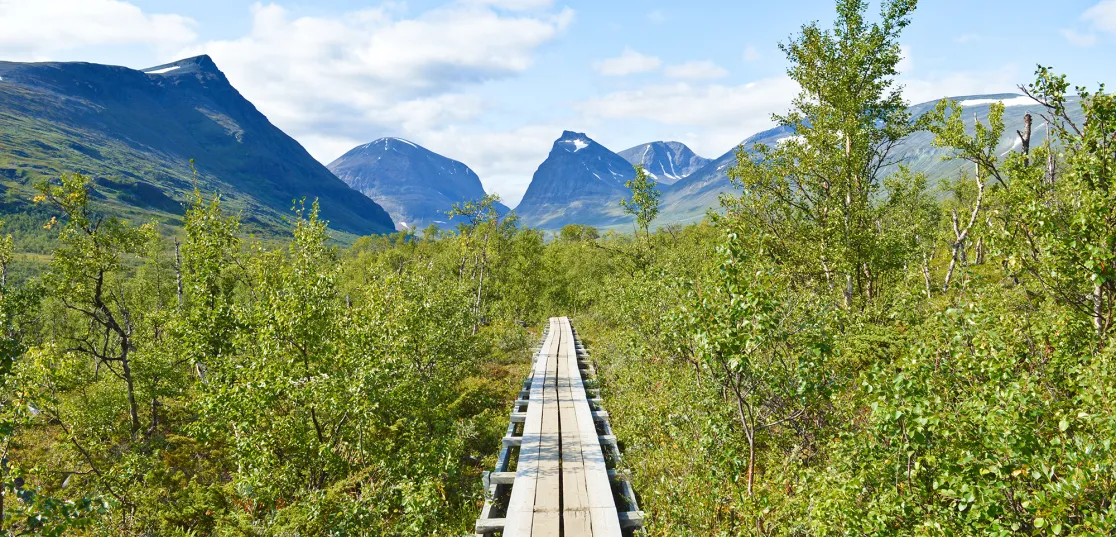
(208, 270)
(644, 203)
(752, 341)
(819, 194)
(482, 228)
(85, 275)
(1066, 217)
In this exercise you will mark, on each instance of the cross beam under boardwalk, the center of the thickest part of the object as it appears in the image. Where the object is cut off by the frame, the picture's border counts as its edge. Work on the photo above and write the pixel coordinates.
(562, 486)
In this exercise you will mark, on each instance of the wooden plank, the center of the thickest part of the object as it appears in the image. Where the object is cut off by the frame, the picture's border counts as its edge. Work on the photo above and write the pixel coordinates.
(489, 525)
(548, 488)
(602, 508)
(520, 515)
(575, 498)
(631, 519)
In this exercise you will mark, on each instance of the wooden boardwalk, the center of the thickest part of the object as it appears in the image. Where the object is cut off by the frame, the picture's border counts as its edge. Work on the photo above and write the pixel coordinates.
(562, 485)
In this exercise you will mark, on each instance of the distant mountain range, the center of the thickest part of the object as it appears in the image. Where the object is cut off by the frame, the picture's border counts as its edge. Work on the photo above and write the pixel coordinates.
(689, 199)
(689, 194)
(416, 186)
(580, 182)
(135, 132)
(666, 162)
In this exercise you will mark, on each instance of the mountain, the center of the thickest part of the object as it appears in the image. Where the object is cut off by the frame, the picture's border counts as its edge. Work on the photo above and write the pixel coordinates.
(580, 182)
(416, 186)
(135, 132)
(667, 162)
(688, 199)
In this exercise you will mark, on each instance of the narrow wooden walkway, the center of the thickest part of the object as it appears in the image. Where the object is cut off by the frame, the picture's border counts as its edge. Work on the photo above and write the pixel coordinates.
(558, 436)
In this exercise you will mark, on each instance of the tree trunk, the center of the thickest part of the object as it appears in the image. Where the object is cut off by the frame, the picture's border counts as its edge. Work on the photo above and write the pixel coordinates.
(1025, 138)
(963, 234)
(480, 284)
(133, 408)
(751, 463)
(1050, 164)
(1098, 311)
(178, 270)
(869, 282)
(926, 272)
(154, 416)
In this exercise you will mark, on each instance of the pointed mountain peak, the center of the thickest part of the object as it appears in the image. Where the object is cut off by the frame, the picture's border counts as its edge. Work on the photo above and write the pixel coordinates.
(581, 181)
(667, 162)
(573, 141)
(198, 64)
(386, 144)
(398, 142)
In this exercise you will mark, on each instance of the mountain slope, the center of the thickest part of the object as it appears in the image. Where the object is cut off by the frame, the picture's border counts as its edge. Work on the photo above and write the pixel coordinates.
(135, 132)
(688, 199)
(580, 182)
(415, 185)
(667, 162)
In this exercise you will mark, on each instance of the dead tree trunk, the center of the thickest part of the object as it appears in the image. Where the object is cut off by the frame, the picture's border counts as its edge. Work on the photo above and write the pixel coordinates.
(1025, 137)
(926, 259)
(1050, 163)
(962, 234)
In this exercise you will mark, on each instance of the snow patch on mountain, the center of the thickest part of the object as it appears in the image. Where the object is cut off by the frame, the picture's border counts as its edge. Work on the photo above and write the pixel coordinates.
(578, 144)
(1021, 100)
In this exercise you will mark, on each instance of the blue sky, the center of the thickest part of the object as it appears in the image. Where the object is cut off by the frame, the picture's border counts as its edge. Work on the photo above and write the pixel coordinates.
(493, 82)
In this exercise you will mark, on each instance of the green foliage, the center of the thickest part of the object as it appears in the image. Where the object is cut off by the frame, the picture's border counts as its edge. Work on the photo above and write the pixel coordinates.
(644, 203)
(808, 363)
(824, 187)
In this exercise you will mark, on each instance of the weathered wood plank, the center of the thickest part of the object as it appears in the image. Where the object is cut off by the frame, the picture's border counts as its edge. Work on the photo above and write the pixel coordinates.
(602, 508)
(548, 487)
(575, 498)
(520, 515)
(489, 525)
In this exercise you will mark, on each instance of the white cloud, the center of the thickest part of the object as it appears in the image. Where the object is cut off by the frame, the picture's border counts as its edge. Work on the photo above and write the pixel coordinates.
(657, 17)
(1102, 16)
(40, 29)
(724, 114)
(1078, 38)
(629, 62)
(370, 73)
(960, 83)
(965, 39)
(751, 54)
(504, 160)
(512, 5)
(695, 70)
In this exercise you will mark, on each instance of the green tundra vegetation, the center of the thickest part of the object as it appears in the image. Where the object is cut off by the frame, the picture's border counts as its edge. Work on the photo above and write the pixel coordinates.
(846, 348)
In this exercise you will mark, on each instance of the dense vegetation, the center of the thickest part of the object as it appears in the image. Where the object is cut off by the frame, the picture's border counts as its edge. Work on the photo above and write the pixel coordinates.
(842, 350)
